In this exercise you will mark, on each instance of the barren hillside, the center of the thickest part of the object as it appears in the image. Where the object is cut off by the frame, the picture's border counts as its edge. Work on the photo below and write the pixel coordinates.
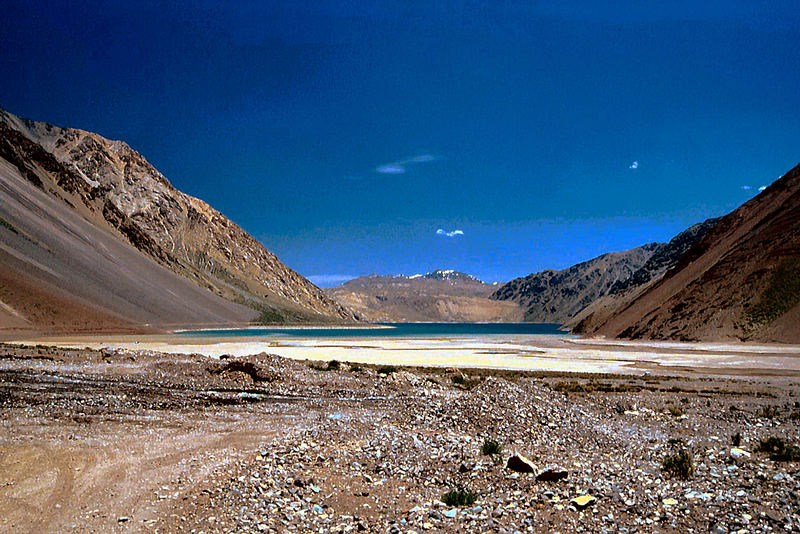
(106, 188)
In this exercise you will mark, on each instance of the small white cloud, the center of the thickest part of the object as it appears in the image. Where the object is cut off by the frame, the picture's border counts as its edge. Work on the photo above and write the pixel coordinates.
(634, 165)
(399, 167)
(746, 188)
(449, 234)
(762, 188)
(391, 168)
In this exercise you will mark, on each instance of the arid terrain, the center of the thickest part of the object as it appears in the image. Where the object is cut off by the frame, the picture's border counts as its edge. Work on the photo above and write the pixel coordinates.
(93, 237)
(440, 296)
(117, 441)
(740, 281)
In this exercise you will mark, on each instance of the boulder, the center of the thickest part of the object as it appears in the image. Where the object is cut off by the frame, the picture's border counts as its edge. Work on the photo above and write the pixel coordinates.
(520, 464)
(582, 502)
(551, 474)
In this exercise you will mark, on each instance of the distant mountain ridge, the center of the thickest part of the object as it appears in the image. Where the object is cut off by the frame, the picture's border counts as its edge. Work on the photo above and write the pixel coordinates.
(448, 274)
(624, 291)
(114, 188)
(552, 296)
(442, 295)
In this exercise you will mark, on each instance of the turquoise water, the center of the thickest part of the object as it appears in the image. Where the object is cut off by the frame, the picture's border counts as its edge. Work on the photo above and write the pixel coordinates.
(391, 330)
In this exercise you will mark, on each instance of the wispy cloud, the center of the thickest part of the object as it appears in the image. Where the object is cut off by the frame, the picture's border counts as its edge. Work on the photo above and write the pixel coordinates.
(453, 233)
(746, 188)
(329, 280)
(391, 168)
(762, 188)
(399, 167)
(634, 165)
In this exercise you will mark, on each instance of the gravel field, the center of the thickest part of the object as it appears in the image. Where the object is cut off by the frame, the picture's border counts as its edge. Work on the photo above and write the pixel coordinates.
(118, 440)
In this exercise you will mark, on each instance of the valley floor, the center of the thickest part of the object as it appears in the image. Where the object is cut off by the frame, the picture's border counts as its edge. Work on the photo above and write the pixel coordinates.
(137, 440)
(507, 352)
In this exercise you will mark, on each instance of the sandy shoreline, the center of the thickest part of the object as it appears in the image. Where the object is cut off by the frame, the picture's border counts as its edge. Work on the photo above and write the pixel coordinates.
(509, 352)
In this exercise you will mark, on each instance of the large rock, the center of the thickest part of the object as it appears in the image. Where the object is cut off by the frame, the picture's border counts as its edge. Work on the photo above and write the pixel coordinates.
(520, 464)
(583, 501)
(552, 474)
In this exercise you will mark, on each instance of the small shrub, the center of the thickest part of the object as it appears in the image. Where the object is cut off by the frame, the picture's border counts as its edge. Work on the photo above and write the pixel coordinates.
(772, 444)
(332, 365)
(768, 412)
(790, 453)
(678, 464)
(736, 439)
(462, 381)
(676, 441)
(490, 447)
(355, 368)
(675, 411)
(459, 497)
(779, 450)
(387, 369)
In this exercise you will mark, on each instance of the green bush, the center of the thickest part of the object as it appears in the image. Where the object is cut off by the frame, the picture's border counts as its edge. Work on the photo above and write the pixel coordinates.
(459, 497)
(490, 447)
(678, 464)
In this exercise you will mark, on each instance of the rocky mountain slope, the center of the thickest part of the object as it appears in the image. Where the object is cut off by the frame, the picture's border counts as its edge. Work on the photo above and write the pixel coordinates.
(624, 291)
(556, 296)
(741, 281)
(441, 295)
(114, 190)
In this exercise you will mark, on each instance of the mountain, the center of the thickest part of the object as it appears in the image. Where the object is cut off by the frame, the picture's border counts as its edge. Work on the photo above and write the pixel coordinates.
(441, 296)
(88, 222)
(741, 281)
(624, 291)
(556, 296)
(448, 274)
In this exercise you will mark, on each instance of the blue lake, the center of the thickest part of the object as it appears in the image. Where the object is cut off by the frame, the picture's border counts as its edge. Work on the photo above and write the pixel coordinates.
(401, 330)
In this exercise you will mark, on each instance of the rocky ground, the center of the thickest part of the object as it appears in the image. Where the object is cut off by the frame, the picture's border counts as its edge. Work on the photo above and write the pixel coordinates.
(139, 441)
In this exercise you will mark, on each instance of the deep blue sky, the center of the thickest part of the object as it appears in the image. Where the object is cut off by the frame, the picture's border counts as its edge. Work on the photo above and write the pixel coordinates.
(344, 135)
